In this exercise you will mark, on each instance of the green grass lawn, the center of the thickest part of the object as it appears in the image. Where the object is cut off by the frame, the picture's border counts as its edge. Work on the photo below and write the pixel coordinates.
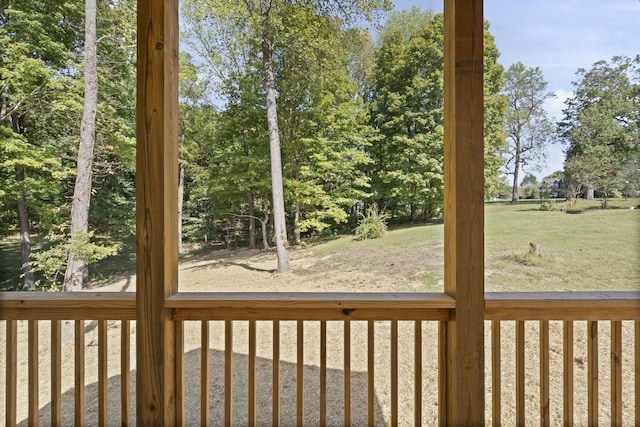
(598, 249)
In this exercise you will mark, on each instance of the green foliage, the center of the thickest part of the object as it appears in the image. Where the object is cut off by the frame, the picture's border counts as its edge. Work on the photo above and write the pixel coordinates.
(548, 206)
(407, 112)
(373, 225)
(602, 127)
(528, 128)
(51, 263)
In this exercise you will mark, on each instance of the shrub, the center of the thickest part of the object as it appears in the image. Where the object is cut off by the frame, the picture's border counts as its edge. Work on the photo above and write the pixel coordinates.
(373, 224)
(548, 206)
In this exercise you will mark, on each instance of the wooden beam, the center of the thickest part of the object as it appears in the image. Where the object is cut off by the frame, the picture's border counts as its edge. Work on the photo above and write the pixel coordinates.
(157, 209)
(464, 209)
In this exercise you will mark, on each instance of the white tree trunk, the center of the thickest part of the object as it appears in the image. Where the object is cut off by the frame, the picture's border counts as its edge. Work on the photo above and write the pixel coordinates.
(280, 229)
(76, 266)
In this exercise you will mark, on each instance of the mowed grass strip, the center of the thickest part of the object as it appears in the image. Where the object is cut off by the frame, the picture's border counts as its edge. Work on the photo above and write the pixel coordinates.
(596, 250)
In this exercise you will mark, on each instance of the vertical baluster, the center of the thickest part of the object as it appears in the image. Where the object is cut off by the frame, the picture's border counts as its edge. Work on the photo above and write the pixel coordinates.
(592, 372)
(637, 369)
(442, 373)
(275, 399)
(300, 374)
(33, 373)
(11, 372)
(56, 372)
(544, 374)
(370, 372)
(496, 374)
(417, 374)
(520, 403)
(347, 373)
(228, 372)
(323, 373)
(204, 374)
(567, 383)
(637, 373)
(180, 388)
(616, 373)
(394, 372)
(252, 373)
(102, 373)
(79, 410)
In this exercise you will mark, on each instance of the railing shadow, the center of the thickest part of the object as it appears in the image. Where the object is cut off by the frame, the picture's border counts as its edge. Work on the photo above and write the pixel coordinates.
(240, 385)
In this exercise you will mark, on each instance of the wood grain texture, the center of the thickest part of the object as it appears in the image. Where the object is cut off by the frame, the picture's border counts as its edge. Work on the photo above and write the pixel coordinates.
(464, 208)
(592, 373)
(79, 358)
(204, 373)
(545, 418)
(34, 379)
(275, 392)
(496, 374)
(616, 374)
(156, 209)
(253, 372)
(67, 306)
(637, 369)
(562, 306)
(371, 372)
(347, 372)
(394, 373)
(125, 373)
(11, 372)
(299, 372)
(567, 379)
(56, 373)
(228, 373)
(417, 373)
(324, 300)
(103, 373)
(323, 373)
(520, 374)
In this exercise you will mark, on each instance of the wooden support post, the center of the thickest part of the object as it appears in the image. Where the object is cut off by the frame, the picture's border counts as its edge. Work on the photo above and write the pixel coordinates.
(464, 209)
(157, 210)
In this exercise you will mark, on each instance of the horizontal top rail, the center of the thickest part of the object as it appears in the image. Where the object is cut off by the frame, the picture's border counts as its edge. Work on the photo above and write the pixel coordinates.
(67, 306)
(616, 305)
(310, 306)
(321, 306)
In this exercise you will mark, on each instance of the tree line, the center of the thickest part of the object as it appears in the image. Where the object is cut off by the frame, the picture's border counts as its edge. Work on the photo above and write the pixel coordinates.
(294, 119)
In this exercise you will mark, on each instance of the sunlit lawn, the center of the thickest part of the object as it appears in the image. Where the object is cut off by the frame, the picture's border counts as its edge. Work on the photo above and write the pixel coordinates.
(595, 250)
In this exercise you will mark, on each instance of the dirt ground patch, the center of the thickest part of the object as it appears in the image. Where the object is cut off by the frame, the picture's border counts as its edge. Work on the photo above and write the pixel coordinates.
(252, 271)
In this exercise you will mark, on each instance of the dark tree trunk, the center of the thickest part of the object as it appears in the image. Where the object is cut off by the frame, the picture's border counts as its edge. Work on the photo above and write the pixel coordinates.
(180, 205)
(252, 221)
(516, 170)
(296, 224)
(25, 235)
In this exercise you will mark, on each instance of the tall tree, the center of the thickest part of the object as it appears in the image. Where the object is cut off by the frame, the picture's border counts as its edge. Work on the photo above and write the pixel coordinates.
(81, 201)
(263, 19)
(37, 40)
(407, 111)
(528, 127)
(602, 125)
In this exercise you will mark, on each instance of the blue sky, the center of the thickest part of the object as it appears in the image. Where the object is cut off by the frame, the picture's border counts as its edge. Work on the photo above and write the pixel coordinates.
(559, 36)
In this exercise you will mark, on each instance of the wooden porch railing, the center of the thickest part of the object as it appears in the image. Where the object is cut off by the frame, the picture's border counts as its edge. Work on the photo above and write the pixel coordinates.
(326, 359)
